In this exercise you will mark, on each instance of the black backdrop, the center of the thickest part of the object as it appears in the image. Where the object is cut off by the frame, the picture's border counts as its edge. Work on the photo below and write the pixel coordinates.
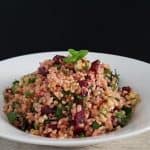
(117, 27)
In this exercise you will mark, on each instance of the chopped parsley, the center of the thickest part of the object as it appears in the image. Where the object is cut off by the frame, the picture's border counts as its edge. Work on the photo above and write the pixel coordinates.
(12, 117)
(15, 105)
(36, 126)
(95, 125)
(58, 112)
(79, 99)
(113, 78)
(81, 135)
(32, 109)
(104, 111)
(90, 87)
(15, 82)
(28, 94)
(32, 80)
(124, 116)
(14, 87)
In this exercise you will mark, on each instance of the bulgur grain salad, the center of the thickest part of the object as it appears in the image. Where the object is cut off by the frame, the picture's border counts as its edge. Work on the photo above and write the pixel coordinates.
(69, 97)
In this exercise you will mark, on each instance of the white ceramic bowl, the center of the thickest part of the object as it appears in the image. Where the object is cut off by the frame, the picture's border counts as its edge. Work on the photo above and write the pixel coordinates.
(132, 72)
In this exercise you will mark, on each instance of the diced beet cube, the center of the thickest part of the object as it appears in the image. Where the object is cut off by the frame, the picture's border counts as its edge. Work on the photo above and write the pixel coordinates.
(78, 120)
(84, 92)
(126, 88)
(95, 66)
(83, 83)
(43, 71)
(88, 77)
(53, 126)
(47, 110)
(58, 59)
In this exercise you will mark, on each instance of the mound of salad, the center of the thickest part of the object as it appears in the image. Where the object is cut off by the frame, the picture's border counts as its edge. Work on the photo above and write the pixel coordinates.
(69, 97)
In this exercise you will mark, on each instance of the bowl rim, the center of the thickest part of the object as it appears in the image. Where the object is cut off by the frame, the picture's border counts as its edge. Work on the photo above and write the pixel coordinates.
(73, 141)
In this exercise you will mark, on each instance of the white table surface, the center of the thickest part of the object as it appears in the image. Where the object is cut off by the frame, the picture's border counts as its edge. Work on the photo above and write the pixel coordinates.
(140, 142)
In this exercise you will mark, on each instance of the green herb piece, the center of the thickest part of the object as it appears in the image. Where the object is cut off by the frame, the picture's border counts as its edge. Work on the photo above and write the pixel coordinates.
(47, 121)
(115, 80)
(79, 97)
(124, 116)
(32, 80)
(32, 109)
(15, 105)
(116, 75)
(117, 99)
(95, 125)
(75, 55)
(12, 117)
(113, 77)
(25, 124)
(104, 111)
(69, 106)
(15, 82)
(67, 92)
(90, 87)
(58, 112)
(36, 126)
(81, 135)
(72, 51)
(14, 87)
(58, 66)
(86, 67)
(28, 94)
(107, 73)
(128, 111)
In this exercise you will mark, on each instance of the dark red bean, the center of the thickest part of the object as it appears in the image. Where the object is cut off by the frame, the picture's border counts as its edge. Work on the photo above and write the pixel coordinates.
(95, 66)
(126, 88)
(79, 119)
(58, 59)
(47, 110)
(43, 71)
(83, 83)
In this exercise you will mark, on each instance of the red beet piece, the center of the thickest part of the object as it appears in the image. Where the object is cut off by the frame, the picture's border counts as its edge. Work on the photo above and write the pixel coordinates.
(43, 71)
(95, 65)
(79, 119)
(58, 59)
(53, 126)
(47, 110)
(84, 92)
(126, 88)
(83, 83)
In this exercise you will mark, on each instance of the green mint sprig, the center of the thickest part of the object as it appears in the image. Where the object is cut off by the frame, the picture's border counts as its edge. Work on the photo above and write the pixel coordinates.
(75, 55)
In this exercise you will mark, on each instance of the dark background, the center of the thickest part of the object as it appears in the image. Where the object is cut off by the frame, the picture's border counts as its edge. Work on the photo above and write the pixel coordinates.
(117, 27)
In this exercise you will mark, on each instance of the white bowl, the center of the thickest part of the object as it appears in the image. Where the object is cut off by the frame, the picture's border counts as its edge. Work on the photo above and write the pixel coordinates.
(132, 72)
